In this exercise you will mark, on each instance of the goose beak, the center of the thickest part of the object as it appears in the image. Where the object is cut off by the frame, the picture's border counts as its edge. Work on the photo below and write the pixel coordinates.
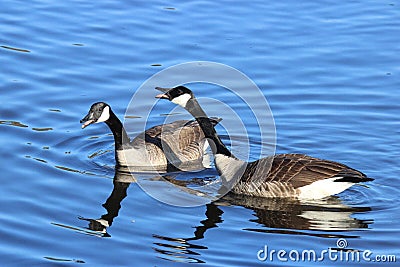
(164, 90)
(87, 120)
(87, 123)
(162, 96)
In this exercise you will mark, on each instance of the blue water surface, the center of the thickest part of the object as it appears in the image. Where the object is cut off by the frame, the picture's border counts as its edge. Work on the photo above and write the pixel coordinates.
(329, 70)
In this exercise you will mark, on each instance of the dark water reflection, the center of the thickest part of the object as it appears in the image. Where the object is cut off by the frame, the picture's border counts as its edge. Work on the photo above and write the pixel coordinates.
(327, 218)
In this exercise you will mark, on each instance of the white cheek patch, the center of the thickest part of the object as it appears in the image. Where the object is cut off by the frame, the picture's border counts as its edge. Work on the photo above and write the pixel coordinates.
(105, 115)
(181, 100)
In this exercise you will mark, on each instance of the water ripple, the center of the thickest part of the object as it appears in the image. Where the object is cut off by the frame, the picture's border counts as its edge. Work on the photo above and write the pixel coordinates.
(329, 72)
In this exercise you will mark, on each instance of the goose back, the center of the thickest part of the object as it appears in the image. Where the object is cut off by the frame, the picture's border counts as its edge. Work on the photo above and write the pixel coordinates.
(172, 143)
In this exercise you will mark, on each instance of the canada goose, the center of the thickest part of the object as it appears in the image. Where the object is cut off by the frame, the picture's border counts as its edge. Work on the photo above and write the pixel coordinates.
(285, 175)
(173, 143)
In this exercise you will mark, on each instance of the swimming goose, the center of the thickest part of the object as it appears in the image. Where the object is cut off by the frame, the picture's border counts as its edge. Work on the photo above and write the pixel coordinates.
(173, 143)
(285, 175)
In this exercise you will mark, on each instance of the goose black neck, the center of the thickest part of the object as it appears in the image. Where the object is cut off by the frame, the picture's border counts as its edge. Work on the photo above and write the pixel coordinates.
(116, 127)
(201, 117)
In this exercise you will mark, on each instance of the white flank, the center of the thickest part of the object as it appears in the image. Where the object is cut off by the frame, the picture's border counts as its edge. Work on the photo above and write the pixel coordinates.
(138, 158)
(105, 115)
(323, 188)
(181, 100)
(206, 145)
(230, 169)
(206, 159)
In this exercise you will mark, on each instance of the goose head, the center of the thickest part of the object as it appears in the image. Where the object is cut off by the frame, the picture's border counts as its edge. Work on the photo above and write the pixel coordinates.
(179, 95)
(99, 112)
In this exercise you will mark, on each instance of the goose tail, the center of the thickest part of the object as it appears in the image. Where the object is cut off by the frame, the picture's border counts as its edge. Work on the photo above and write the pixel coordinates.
(354, 179)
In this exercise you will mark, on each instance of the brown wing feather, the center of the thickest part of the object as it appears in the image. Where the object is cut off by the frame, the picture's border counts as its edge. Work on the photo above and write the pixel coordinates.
(183, 139)
(297, 170)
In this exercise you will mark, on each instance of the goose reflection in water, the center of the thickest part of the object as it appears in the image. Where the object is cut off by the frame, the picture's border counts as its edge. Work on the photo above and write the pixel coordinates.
(112, 205)
(122, 179)
(323, 218)
(320, 218)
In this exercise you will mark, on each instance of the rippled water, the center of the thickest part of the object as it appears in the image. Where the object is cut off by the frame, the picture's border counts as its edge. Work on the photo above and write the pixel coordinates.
(329, 70)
